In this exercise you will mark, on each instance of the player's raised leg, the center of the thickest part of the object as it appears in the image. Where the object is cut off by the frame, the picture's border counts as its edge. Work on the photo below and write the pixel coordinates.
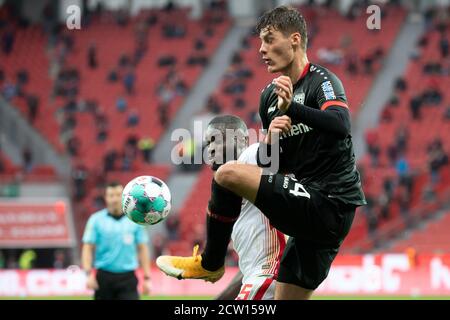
(240, 178)
(231, 183)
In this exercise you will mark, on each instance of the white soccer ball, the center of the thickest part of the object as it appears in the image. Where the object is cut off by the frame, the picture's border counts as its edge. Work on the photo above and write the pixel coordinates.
(146, 200)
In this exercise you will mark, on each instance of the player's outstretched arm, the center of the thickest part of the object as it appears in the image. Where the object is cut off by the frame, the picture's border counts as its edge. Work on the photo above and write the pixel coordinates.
(232, 290)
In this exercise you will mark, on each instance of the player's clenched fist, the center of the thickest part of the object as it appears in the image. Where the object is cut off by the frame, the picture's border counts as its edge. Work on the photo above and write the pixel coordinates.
(278, 126)
(284, 90)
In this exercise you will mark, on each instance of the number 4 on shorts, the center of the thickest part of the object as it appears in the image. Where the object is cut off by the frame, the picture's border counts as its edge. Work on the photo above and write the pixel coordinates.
(296, 192)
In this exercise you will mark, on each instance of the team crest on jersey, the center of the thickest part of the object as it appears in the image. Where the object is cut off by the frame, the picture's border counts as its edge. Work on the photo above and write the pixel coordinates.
(271, 109)
(328, 90)
(300, 98)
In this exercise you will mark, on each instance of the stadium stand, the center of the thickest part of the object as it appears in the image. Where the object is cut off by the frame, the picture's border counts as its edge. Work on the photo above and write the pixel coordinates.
(433, 238)
(105, 134)
(406, 168)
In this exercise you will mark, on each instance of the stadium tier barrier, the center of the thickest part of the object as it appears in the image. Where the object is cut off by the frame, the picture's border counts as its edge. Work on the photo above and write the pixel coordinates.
(381, 274)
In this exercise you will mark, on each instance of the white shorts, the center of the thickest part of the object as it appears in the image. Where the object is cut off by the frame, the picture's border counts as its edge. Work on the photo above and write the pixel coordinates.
(260, 287)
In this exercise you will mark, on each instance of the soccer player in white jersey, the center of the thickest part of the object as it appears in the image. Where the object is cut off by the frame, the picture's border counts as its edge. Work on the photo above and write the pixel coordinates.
(258, 245)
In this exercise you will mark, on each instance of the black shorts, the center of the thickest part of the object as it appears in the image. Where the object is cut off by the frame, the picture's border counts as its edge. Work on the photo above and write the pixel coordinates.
(116, 286)
(316, 224)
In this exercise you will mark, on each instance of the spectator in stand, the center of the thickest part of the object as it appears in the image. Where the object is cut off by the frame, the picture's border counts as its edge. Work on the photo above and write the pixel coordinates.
(124, 61)
(9, 90)
(163, 113)
(415, 105)
(167, 60)
(239, 103)
(432, 96)
(132, 142)
(129, 81)
(109, 160)
(2, 165)
(141, 41)
(443, 46)
(79, 177)
(121, 104)
(73, 146)
(8, 39)
(437, 158)
(368, 62)
(113, 75)
(59, 259)
(401, 85)
(166, 93)
(173, 30)
(402, 167)
(404, 202)
(102, 127)
(133, 118)
(33, 107)
(199, 44)
(213, 105)
(22, 77)
(373, 148)
(128, 157)
(92, 56)
(388, 187)
(27, 259)
(197, 59)
(146, 145)
(27, 159)
(401, 139)
(121, 17)
(253, 118)
(383, 204)
(2, 259)
(428, 194)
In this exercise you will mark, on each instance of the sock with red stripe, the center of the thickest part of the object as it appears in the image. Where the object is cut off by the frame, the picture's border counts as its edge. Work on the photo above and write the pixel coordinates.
(224, 208)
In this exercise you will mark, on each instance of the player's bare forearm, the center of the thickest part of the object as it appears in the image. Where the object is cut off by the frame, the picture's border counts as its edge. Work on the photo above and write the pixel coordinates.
(87, 256)
(232, 290)
(144, 259)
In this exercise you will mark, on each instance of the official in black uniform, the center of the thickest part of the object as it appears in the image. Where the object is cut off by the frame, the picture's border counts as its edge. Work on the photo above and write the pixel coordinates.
(313, 196)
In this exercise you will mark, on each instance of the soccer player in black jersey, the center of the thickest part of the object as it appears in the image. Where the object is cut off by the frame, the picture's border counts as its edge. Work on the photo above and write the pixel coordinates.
(313, 196)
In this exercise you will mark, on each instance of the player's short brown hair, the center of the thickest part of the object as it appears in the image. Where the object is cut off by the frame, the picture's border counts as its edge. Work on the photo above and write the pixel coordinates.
(285, 19)
(113, 184)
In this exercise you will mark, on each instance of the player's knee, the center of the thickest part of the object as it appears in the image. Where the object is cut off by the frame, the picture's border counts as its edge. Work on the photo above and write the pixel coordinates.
(226, 176)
